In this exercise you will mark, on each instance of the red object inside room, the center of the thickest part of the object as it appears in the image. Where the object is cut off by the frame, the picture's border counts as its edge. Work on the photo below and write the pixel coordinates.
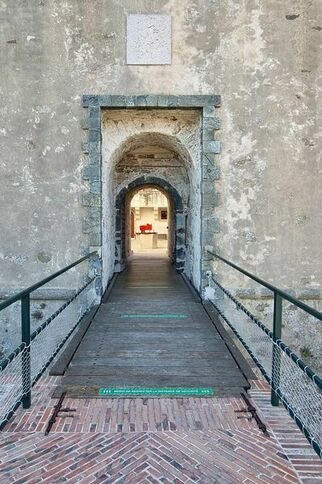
(145, 228)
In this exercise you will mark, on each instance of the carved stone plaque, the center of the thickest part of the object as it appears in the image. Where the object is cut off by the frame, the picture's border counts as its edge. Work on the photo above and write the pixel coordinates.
(148, 39)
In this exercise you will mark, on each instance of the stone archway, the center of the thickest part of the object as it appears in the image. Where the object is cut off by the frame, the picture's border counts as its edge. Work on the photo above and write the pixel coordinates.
(178, 223)
(187, 125)
(144, 148)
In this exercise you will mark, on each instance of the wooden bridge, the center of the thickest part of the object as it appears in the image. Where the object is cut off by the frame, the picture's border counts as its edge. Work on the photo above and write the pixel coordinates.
(151, 331)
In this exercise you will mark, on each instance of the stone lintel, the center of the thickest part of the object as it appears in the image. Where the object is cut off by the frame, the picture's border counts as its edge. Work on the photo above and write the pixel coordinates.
(154, 101)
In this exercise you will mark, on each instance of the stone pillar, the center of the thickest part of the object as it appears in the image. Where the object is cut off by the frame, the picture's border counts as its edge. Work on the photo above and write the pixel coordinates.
(210, 197)
(180, 247)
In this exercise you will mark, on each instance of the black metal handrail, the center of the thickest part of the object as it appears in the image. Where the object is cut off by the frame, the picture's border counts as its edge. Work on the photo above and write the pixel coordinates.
(20, 295)
(27, 337)
(276, 338)
(272, 288)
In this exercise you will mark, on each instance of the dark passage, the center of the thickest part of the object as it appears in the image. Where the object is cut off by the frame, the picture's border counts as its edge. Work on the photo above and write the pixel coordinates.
(152, 332)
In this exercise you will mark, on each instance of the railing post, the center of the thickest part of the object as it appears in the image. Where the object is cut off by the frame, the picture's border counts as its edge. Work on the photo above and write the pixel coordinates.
(25, 337)
(276, 356)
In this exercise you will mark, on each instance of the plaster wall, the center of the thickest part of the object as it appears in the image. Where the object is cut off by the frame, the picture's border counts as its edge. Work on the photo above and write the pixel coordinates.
(263, 57)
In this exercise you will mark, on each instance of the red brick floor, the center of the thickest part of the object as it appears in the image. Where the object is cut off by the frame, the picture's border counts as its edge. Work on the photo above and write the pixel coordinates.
(154, 441)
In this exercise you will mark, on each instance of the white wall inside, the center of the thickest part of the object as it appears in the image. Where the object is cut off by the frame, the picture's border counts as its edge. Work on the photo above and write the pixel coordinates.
(147, 206)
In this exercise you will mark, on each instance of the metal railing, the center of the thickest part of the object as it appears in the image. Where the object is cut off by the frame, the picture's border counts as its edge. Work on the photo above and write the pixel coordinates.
(21, 369)
(292, 381)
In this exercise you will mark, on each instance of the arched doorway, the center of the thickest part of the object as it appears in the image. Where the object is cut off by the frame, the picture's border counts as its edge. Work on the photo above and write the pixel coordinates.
(149, 223)
(139, 149)
(176, 221)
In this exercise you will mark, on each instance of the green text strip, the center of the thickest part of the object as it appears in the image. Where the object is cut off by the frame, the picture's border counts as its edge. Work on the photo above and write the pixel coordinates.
(179, 391)
(155, 316)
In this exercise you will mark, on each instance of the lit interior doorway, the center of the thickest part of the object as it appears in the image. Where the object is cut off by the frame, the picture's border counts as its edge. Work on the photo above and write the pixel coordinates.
(149, 222)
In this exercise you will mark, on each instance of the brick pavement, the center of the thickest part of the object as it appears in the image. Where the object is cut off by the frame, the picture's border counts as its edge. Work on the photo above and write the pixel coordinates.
(154, 440)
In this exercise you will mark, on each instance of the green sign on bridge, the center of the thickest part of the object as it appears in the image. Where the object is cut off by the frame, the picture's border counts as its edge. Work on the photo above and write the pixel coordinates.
(156, 392)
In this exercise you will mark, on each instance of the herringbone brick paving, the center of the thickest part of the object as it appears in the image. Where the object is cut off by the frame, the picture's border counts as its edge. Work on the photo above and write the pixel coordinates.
(154, 441)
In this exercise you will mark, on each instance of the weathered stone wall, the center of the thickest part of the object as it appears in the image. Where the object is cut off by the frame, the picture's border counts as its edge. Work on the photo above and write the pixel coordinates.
(262, 57)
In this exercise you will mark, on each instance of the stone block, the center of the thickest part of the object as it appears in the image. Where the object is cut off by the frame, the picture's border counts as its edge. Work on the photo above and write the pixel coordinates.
(93, 148)
(211, 198)
(91, 200)
(210, 172)
(180, 253)
(212, 146)
(105, 100)
(212, 225)
(94, 212)
(180, 219)
(211, 122)
(180, 240)
(208, 237)
(94, 112)
(151, 101)
(208, 111)
(95, 159)
(91, 225)
(118, 223)
(96, 264)
(94, 187)
(172, 101)
(118, 101)
(98, 286)
(208, 158)
(208, 134)
(131, 101)
(141, 101)
(93, 123)
(198, 100)
(85, 148)
(90, 100)
(95, 238)
(85, 123)
(163, 101)
(92, 172)
(94, 136)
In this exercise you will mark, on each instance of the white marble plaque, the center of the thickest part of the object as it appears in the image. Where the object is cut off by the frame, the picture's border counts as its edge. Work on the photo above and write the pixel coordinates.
(148, 39)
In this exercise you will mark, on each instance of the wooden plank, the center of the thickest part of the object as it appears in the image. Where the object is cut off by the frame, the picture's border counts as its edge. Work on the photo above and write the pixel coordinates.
(109, 288)
(161, 334)
(165, 355)
(148, 370)
(156, 381)
(149, 326)
(152, 346)
(147, 361)
(61, 363)
(237, 355)
(191, 288)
